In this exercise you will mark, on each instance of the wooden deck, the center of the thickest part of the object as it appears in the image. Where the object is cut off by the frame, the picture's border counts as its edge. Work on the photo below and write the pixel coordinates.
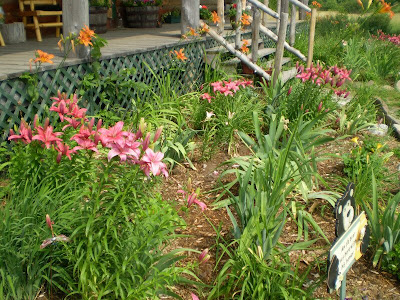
(14, 59)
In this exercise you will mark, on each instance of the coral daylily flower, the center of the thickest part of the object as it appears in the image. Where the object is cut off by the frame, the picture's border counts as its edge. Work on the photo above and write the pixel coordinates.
(215, 17)
(25, 133)
(85, 36)
(206, 96)
(245, 19)
(192, 31)
(180, 55)
(386, 9)
(43, 57)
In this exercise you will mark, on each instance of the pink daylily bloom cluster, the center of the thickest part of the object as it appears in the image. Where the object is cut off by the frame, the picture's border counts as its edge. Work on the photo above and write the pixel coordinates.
(394, 39)
(133, 147)
(227, 88)
(333, 76)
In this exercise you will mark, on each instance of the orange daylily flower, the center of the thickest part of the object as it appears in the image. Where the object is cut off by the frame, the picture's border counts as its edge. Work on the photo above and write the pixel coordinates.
(360, 3)
(85, 36)
(244, 47)
(204, 29)
(245, 19)
(43, 57)
(215, 17)
(386, 9)
(180, 55)
(192, 31)
(316, 4)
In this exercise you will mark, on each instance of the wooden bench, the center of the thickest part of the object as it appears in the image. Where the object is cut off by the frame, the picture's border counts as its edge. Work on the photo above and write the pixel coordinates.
(35, 9)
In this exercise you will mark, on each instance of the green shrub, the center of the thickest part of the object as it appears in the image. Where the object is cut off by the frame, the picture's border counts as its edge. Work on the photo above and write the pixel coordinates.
(375, 22)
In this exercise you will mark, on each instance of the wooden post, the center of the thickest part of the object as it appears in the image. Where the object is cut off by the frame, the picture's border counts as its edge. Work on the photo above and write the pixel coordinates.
(302, 12)
(238, 23)
(280, 46)
(255, 34)
(311, 37)
(289, 48)
(221, 14)
(190, 15)
(265, 15)
(243, 57)
(75, 17)
(278, 10)
(293, 25)
(2, 44)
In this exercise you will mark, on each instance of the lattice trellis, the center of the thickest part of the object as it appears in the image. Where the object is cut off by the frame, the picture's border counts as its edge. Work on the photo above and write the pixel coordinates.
(15, 102)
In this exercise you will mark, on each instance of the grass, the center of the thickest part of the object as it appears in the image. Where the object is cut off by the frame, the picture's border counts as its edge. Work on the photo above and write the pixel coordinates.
(394, 23)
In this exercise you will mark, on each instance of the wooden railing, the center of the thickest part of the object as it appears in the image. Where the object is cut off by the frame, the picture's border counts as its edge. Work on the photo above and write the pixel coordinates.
(259, 25)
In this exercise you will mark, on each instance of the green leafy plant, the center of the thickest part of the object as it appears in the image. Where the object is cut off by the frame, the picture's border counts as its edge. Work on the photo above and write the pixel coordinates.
(384, 224)
(99, 3)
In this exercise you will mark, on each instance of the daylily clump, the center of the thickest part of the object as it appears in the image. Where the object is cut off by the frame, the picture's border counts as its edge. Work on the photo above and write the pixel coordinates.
(394, 39)
(132, 147)
(333, 76)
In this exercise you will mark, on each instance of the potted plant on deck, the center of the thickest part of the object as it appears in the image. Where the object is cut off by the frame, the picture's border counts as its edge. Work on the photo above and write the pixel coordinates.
(98, 10)
(142, 13)
(172, 17)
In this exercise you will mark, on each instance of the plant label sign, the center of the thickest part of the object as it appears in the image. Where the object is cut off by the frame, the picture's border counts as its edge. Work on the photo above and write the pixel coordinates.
(351, 243)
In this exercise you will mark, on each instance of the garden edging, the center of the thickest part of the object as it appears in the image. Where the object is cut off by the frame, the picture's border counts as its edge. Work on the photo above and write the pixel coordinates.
(389, 119)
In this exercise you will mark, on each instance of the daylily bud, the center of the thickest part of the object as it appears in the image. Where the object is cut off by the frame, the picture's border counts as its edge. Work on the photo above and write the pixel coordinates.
(46, 123)
(146, 142)
(142, 125)
(99, 123)
(302, 107)
(157, 134)
(320, 106)
(337, 120)
(204, 256)
(194, 297)
(289, 91)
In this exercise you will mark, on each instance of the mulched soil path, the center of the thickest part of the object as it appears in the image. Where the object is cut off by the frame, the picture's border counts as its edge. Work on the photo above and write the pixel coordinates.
(363, 282)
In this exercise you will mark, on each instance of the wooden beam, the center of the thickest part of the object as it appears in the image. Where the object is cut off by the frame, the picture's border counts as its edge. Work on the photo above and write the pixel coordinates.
(311, 37)
(238, 23)
(255, 34)
(75, 17)
(264, 8)
(293, 25)
(265, 15)
(2, 44)
(278, 10)
(280, 46)
(221, 15)
(190, 15)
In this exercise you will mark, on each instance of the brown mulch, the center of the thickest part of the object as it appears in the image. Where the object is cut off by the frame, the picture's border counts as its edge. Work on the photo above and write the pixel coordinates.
(363, 282)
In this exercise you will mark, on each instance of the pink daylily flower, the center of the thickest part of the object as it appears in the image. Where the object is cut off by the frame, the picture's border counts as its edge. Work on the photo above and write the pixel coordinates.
(47, 136)
(151, 163)
(63, 149)
(25, 133)
(123, 152)
(206, 96)
(194, 296)
(113, 134)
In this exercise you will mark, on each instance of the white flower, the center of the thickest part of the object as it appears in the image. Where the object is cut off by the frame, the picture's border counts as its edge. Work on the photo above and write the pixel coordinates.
(344, 43)
(209, 115)
(230, 115)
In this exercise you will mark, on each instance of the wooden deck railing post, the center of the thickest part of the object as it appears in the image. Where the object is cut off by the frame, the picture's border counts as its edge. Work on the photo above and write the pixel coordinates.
(190, 15)
(293, 25)
(238, 23)
(75, 17)
(311, 37)
(264, 14)
(221, 14)
(255, 34)
(278, 10)
(280, 46)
